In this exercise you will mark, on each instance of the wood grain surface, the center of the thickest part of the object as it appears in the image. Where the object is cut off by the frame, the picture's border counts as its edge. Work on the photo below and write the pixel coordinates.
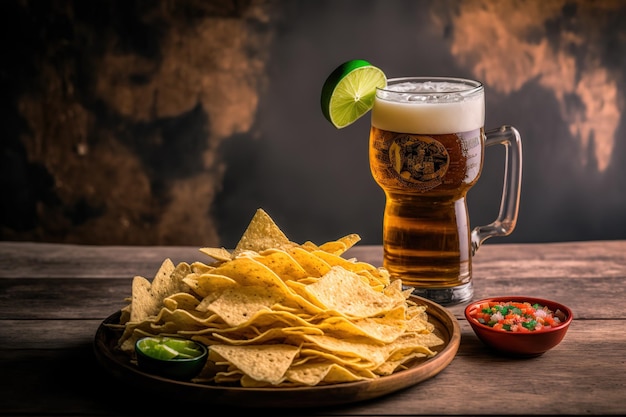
(54, 297)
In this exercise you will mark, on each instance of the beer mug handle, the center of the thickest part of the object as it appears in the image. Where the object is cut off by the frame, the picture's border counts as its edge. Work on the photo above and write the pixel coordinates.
(509, 205)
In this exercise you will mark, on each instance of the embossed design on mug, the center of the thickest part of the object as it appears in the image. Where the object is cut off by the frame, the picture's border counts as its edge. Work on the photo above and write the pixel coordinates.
(420, 160)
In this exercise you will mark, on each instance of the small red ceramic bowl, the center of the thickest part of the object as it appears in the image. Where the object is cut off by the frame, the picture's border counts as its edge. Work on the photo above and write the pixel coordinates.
(531, 343)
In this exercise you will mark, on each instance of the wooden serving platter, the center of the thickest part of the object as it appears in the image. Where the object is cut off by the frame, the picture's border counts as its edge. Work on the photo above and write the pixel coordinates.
(120, 366)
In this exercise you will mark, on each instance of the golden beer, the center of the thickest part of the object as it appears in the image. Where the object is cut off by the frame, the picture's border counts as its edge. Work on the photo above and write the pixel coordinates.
(426, 151)
(425, 226)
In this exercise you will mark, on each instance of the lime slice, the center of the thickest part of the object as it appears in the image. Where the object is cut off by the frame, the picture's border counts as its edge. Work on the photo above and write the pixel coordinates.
(169, 348)
(157, 349)
(185, 348)
(349, 91)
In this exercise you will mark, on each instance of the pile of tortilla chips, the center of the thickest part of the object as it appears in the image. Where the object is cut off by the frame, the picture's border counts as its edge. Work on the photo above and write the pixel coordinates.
(279, 314)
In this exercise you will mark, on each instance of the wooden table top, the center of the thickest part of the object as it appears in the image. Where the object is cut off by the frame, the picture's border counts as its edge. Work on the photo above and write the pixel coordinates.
(53, 298)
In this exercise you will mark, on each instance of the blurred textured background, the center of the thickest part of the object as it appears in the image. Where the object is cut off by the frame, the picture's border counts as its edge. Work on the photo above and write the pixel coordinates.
(171, 122)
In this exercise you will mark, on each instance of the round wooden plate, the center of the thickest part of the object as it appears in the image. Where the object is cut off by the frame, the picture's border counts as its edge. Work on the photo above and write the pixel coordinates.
(120, 366)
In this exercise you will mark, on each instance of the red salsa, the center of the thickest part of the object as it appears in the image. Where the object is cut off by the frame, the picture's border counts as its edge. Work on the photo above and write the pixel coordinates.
(516, 316)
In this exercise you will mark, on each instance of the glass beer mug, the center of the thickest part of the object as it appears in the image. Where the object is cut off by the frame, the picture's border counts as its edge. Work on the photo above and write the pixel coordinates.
(427, 145)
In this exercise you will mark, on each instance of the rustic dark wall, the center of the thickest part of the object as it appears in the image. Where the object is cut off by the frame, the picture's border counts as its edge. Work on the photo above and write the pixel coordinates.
(170, 122)
(114, 112)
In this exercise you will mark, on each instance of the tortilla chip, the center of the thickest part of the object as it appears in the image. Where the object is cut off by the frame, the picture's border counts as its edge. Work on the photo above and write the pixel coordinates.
(237, 305)
(142, 304)
(345, 292)
(338, 247)
(311, 374)
(266, 363)
(219, 254)
(147, 298)
(262, 233)
(282, 263)
(313, 265)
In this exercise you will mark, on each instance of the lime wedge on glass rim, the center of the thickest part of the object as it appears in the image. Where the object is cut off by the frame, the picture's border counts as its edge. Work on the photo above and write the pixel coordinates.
(349, 91)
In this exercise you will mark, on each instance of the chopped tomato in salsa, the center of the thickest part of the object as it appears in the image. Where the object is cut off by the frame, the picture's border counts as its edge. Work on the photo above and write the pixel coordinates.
(516, 316)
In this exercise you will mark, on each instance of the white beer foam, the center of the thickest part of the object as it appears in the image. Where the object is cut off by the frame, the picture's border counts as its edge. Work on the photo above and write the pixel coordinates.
(443, 110)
